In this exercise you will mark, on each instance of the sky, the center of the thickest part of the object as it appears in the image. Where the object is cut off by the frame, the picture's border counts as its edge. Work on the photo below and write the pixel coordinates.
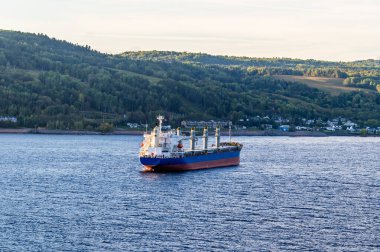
(338, 30)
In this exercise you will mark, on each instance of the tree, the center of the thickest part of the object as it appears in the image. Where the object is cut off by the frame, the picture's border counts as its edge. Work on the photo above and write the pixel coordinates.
(105, 127)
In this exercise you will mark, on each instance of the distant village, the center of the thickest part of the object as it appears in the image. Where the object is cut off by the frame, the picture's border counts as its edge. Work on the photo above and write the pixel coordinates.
(337, 125)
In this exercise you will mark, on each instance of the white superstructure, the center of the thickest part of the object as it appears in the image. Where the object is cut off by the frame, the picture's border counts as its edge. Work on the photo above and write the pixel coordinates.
(162, 144)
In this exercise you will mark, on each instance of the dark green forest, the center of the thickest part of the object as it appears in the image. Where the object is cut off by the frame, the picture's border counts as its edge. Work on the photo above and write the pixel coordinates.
(46, 82)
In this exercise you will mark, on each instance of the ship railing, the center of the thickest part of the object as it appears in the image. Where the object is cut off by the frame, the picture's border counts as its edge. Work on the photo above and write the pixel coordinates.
(230, 144)
(155, 156)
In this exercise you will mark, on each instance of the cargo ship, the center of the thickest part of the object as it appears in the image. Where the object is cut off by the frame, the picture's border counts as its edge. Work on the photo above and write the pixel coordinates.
(164, 150)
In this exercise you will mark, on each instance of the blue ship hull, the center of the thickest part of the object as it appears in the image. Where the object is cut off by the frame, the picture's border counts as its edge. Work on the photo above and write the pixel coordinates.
(195, 162)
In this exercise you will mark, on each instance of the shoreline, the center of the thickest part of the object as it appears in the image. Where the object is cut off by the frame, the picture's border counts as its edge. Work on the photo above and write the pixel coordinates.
(140, 132)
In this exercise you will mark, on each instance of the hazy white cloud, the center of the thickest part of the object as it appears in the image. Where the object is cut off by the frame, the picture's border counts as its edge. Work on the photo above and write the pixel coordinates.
(324, 29)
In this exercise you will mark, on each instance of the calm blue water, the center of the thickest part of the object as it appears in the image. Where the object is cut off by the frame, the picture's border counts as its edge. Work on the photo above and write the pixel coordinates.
(87, 193)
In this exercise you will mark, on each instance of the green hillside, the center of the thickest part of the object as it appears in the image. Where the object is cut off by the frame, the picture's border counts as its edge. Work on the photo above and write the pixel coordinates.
(363, 74)
(333, 86)
(51, 83)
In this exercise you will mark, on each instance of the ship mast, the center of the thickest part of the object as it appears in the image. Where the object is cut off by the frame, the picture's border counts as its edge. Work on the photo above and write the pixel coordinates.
(160, 118)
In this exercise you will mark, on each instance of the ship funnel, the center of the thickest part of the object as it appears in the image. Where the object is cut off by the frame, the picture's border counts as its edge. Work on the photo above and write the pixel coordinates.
(178, 131)
(205, 138)
(192, 139)
(217, 137)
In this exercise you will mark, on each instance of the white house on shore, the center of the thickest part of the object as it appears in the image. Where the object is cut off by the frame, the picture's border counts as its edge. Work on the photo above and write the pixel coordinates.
(8, 119)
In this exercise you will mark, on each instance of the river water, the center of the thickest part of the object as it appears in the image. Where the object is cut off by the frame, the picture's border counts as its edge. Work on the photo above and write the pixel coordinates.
(88, 193)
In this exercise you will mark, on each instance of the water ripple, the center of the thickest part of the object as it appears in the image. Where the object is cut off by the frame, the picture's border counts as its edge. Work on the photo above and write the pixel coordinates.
(89, 193)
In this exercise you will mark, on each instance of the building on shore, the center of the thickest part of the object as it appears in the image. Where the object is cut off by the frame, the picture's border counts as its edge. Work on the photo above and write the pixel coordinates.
(210, 124)
(8, 119)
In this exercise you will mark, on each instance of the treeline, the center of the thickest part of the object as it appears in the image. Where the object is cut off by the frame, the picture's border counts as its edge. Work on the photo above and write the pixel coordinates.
(363, 82)
(51, 83)
(206, 59)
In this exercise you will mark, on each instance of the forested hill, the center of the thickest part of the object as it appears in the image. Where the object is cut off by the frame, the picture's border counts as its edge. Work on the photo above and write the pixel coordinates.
(52, 83)
(203, 58)
(353, 71)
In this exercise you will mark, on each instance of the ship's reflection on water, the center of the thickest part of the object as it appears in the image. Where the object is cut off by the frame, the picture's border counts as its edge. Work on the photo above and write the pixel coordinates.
(146, 170)
(150, 174)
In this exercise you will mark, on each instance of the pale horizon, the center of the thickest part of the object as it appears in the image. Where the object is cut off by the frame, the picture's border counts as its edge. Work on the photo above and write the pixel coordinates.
(333, 30)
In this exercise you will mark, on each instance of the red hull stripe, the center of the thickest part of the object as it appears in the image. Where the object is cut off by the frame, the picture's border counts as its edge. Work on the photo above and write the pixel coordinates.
(199, 165)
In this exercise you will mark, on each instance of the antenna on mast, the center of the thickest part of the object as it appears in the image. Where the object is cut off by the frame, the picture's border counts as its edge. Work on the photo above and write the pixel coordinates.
(229, 131)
